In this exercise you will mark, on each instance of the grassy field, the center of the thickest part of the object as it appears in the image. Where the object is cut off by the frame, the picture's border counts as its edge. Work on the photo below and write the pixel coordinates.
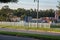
(30, 28)
(37, 36)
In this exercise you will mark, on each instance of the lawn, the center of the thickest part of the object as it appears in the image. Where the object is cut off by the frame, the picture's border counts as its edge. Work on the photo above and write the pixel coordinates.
(30, 28)
(36, 36)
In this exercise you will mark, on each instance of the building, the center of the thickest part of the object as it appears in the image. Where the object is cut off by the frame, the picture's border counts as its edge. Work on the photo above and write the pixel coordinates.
(15, 19)
(57, 16)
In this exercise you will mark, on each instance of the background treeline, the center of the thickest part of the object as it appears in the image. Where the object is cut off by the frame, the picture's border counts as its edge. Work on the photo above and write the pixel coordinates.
(6, 12)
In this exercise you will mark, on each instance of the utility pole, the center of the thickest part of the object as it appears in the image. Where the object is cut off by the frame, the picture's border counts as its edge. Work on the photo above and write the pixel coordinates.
(37, 10)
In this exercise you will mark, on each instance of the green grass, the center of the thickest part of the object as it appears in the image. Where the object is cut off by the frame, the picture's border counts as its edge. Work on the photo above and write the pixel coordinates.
(55, 26)
(37, 36)
(29, 28)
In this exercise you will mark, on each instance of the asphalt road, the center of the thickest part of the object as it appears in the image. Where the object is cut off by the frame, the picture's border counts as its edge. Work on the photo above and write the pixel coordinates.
(4, 37)
(29, 31)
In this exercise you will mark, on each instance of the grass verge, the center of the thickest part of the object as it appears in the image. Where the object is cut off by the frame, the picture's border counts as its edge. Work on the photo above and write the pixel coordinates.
(30, 28)
(37, 36)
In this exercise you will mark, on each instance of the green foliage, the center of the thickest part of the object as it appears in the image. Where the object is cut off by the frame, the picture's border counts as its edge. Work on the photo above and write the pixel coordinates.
(58, 5)
(55, 26)
(6, 1)
(6, 12)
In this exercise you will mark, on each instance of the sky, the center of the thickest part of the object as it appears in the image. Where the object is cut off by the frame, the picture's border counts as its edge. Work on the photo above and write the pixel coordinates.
(28, 4)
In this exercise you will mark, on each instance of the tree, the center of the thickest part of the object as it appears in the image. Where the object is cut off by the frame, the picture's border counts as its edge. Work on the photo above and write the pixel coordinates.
(19, 12)
(58, 5)
(5, 12)
(5, 7)
(58, 12)
(6, 1)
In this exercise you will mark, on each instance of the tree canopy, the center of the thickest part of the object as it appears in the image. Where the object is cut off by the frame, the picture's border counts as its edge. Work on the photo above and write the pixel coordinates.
(58, 5)
(6, 1)
(6, 12)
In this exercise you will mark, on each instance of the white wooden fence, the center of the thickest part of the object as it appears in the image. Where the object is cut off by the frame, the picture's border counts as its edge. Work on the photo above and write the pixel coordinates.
(44, 25)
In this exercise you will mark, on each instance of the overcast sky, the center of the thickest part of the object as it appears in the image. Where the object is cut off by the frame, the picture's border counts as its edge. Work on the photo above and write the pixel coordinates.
(28, 4)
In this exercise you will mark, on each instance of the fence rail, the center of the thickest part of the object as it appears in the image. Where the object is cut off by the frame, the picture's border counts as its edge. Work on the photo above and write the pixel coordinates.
(25, 24)
(44, 25)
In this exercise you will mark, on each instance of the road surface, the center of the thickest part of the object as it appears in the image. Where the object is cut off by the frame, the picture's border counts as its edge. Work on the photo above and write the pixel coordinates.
(29, 31)
(4, 37)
